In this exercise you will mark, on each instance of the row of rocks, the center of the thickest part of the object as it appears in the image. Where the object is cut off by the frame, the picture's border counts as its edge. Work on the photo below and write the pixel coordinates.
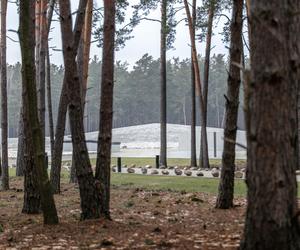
(214, 172)
(162, 167)
(178, 167)
(165, 172)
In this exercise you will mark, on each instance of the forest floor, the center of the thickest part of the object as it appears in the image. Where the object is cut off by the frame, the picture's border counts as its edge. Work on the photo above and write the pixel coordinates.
(143, 217)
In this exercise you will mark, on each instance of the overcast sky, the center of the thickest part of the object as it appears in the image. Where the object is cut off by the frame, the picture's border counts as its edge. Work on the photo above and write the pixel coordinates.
(146, 39)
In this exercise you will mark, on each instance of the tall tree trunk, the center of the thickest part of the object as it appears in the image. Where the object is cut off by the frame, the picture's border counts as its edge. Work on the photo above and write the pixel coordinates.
(34, 137)
(88, 186)
(247, 3)
(211, 13)
(298, 124)
(83, 59)
(49, 101)
(193, 97)
(272, 211)
(73, 177)
(4, 125)
(25, 166)
(48, 76)
(37, 7)
(32, 199)
(57, 152)
(198, 83)
(63, 106)
(84, 49)
(184, 111)
(41, 74)
(226, 185)
(106, 107)
(21, 138)
(218, 111)
(163, 85)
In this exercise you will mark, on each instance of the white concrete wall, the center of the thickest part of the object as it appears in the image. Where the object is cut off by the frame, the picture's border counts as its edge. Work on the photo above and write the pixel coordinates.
(185, 142)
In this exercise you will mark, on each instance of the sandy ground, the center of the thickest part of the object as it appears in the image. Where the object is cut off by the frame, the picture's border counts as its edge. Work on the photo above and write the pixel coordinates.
(140, 220)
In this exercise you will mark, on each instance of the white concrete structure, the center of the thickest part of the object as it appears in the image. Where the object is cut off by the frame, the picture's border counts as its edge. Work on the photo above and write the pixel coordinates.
(144, 141)
(215, 139)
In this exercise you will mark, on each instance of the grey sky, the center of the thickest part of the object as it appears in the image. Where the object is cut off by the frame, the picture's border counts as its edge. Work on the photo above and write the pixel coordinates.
(146, 39)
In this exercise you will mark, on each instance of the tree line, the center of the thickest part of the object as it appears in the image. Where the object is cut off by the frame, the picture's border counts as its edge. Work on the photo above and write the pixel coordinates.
(136, 95)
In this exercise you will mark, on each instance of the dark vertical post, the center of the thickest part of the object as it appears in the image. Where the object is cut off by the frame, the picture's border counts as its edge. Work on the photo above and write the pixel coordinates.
(119, 164)
(157, 161)
(215, 144)
(46, 160)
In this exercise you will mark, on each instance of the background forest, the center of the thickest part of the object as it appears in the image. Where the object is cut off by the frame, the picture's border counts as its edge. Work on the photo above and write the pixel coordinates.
(137, 95)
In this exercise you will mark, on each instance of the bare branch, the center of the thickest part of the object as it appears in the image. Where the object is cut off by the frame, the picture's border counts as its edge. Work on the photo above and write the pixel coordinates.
(235, 143)
(13, 40)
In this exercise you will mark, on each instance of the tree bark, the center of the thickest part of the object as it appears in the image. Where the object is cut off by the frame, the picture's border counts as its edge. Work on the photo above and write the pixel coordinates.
(88, 186)
(84, 49)
(56, 157)
(272, 211)
(210, 20)
(48, 76)
(63, 105)
(41, 66)
(83, 59)
(298, 125)
(163, 85)
(4, 123)
(49, 101)
(198, 83)
(106, 107)
(73, 177)
(32, 198)
(34, 136)
(193, 97)
(21, 137)
(20, 153)
(37, 8)
(226, 185)
(247, 3)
